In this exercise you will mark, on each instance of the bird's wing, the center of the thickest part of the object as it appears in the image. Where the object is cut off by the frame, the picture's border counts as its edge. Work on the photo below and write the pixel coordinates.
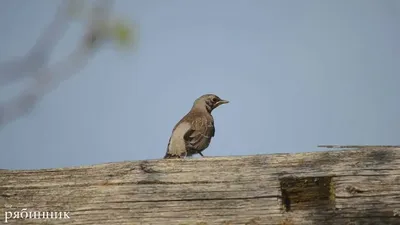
(202, 130)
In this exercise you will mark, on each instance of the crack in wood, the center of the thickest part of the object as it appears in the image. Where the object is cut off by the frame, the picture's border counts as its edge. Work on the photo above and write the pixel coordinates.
(306, 192)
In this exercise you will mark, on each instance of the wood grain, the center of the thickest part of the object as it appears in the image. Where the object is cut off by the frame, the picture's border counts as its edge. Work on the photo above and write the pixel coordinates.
(353, 186)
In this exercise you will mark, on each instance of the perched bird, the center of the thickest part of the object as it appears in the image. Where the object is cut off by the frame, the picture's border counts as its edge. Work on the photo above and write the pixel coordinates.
(193, 133)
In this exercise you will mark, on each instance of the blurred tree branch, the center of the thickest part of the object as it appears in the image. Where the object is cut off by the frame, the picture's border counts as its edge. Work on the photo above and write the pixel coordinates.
(100, 28)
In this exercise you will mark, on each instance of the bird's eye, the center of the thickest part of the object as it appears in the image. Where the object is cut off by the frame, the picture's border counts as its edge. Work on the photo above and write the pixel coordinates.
(215, 99)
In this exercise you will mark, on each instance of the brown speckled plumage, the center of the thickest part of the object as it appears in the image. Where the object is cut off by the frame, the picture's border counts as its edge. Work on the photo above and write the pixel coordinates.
(193, 133)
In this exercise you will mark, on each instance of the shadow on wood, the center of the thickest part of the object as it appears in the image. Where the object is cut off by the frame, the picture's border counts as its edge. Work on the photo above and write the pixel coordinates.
(353, 186)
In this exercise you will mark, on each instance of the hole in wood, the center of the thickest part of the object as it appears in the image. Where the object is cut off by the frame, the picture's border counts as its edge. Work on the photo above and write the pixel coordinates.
(307, 192)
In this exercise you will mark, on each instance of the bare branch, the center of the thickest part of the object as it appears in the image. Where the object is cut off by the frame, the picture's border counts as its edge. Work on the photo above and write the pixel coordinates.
(47, 78)
(40, 53)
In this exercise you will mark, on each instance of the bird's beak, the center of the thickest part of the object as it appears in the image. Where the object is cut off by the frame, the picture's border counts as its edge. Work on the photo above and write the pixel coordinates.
(221, 102)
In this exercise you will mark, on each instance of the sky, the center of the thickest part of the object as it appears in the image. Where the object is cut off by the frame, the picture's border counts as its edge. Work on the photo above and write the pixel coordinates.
(297, 74)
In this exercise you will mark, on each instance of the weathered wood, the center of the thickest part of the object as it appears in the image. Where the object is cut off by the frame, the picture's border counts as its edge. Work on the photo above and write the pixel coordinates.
(355, 186)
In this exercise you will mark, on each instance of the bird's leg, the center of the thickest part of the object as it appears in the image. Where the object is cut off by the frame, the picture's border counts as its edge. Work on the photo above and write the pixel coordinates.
(202, 155)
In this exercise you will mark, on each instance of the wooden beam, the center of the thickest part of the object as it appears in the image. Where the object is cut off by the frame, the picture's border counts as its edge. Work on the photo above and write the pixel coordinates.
(353, 186)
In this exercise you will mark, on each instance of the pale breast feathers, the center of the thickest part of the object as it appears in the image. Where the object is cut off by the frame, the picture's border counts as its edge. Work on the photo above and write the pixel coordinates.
(177, 143)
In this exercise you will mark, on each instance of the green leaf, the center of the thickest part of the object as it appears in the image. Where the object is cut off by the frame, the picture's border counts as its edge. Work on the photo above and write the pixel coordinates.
(124, 34)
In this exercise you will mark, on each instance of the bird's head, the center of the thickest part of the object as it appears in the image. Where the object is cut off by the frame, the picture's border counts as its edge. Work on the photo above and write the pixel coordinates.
(208, 102)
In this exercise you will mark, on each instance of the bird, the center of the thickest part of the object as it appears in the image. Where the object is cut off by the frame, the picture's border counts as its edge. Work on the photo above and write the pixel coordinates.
(193, 133)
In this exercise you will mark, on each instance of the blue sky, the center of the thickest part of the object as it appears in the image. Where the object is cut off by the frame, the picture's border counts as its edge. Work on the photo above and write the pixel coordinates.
(297, 74)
